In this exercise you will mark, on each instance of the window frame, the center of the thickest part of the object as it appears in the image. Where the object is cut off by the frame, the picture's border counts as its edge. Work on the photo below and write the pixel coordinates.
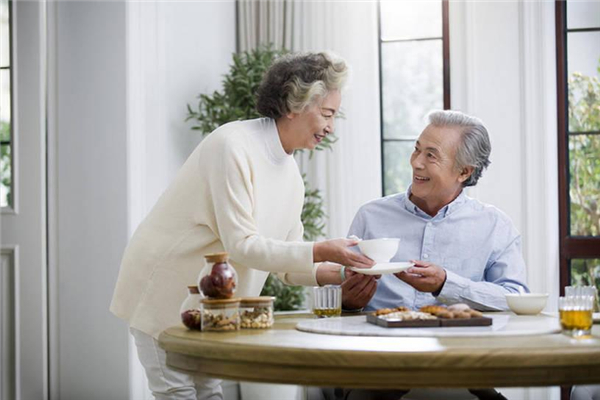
(570, 247)
(445, 78)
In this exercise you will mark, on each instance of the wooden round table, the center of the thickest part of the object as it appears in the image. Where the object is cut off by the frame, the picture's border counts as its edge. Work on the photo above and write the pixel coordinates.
(285, 355)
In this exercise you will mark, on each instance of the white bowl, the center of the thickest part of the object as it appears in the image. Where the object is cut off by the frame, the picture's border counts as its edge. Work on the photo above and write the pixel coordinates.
(526, 303)
(379, 250)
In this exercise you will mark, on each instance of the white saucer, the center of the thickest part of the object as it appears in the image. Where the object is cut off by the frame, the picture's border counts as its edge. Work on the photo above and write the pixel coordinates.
(384, 268)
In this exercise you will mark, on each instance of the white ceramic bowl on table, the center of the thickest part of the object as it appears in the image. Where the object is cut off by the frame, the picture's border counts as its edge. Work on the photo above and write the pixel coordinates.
(526, 303)
(379, 250)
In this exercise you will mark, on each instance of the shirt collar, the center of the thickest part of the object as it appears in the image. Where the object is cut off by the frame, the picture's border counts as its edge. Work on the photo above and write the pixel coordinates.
(444, 212)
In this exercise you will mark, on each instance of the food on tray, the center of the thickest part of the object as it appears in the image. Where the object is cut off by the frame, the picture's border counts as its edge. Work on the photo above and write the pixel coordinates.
(430, 316)
(455, 311)
(438, 311)
(458, 307)
(383, 311)
(408, 316)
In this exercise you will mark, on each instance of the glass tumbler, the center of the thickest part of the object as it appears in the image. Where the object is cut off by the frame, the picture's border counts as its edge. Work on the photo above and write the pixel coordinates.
(576, 315)
(583, 291)
(327, 301)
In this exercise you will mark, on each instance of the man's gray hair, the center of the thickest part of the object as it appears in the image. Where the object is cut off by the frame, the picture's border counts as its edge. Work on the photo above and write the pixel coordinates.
(475, 147)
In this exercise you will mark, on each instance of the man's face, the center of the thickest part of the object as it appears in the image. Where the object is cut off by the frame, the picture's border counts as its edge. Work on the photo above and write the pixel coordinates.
(317, 121)
(435, 177)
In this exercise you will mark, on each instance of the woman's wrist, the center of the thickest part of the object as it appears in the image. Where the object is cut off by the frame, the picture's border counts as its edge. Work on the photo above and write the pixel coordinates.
(317, 250)
(329, 274)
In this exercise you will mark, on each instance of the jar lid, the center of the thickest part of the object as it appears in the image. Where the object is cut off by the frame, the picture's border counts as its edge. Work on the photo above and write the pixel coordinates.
(193, 289)
(216, 257)
(258, 299)
(215, 302)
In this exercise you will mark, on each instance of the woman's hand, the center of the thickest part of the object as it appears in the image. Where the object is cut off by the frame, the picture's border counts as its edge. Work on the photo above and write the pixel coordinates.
(338, 251)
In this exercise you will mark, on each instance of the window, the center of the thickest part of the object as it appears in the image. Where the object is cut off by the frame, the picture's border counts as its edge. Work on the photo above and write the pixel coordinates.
(415, 78)
(578, 69)
(5, 106)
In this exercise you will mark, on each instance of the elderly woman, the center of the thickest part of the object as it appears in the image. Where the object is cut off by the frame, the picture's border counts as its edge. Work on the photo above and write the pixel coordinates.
(240, 192)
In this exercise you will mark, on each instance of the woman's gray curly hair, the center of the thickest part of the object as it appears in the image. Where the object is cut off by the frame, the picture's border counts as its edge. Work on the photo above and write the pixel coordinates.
(295, 80)
(475, 147)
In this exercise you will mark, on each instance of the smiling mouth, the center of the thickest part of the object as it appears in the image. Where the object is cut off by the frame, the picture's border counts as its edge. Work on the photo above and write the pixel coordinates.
(421, 178)
(318, 137)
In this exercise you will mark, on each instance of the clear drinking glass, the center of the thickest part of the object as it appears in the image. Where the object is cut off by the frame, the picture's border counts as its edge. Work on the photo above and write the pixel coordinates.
(576, 315)
(583, 291)
(327, 301)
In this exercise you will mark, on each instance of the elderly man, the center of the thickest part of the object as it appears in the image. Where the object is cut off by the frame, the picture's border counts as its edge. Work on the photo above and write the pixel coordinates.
(464, 251)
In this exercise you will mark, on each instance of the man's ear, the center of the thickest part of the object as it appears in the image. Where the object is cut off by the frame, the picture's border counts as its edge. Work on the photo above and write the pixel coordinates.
(465, 173)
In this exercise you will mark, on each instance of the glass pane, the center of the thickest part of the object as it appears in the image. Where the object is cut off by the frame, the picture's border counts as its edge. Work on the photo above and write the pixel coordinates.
(411, 19)
(583, 14)
(584, 188)
(412, 85)
(397, 172)
(586, 272)
(584, 81)
(5, 140)
(5, 173)
(4, 38)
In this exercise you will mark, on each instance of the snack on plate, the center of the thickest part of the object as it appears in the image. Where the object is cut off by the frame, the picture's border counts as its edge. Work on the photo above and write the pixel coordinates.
(384, 311)
(408, 316)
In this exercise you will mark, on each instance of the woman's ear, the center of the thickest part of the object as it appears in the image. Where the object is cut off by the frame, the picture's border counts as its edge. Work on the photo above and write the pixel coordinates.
(291, 115)
(465, 173)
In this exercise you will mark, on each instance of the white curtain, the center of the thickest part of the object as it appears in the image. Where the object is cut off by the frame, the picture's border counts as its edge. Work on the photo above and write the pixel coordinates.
(350, 175)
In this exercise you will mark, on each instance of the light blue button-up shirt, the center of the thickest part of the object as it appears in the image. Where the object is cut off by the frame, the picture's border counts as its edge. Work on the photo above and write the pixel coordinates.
(475, 243)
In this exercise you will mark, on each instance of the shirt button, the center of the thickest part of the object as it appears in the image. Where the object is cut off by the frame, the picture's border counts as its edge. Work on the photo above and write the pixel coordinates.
(426, 256)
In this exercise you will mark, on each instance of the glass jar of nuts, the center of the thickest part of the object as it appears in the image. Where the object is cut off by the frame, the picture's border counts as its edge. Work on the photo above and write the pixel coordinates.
(256, 312)
(220, 315)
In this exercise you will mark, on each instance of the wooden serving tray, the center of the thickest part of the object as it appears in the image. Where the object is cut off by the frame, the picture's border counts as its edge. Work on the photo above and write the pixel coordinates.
(429, 323)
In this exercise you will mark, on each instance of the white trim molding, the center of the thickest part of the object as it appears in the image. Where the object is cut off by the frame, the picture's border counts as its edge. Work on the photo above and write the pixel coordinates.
(8, 335)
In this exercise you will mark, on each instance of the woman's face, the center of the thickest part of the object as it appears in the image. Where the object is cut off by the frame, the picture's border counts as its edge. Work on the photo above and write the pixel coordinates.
(312, 125)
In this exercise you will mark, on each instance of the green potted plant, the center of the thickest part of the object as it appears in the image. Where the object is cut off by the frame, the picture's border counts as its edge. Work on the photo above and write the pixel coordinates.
(237, 101)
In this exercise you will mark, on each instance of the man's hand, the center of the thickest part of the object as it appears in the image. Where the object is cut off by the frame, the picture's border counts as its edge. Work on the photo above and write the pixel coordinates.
(358, 289)
(338, 251)
(424, 276)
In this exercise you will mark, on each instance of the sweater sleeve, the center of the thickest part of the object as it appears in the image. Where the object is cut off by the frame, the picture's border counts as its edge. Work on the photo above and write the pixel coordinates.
(230, 192)
(296, 279)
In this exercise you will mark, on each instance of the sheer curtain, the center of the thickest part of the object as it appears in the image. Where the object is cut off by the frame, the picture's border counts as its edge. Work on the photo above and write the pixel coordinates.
(350, 175)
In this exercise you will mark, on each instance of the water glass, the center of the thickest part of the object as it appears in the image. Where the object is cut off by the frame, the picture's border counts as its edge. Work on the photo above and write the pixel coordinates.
(327, 301)
(576, 315)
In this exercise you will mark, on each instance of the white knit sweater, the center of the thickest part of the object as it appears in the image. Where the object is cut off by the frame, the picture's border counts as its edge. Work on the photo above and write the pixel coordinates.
(238, 192)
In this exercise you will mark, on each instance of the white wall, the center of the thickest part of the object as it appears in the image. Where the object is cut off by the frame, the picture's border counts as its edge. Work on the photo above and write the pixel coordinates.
(90, 357)
(121, 76)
